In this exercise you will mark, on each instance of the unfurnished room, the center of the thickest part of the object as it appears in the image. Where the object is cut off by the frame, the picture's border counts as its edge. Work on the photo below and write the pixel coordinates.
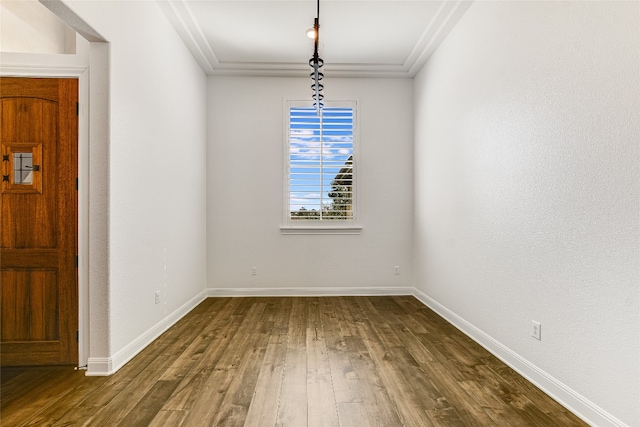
(314, 213)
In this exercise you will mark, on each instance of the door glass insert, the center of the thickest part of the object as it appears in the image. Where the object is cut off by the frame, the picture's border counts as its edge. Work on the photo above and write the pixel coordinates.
(23, 168)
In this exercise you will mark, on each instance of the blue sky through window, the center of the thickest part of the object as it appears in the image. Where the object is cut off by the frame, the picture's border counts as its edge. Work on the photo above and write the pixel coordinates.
(319, 147)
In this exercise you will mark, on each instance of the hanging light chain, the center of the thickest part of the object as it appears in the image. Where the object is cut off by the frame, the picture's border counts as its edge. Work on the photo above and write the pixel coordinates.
(316, 64)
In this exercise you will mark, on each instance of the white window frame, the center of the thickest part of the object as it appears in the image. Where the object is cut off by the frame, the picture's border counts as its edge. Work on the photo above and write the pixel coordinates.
(333, 226)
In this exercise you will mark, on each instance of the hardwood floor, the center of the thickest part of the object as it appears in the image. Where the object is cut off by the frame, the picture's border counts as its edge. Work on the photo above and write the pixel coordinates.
(329, 361)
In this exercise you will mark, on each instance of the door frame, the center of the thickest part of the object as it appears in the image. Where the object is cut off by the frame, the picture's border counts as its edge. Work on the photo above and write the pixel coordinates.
(52, 69)
(92, 58)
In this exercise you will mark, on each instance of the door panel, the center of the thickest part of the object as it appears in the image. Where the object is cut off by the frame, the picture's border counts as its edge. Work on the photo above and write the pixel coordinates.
(30, 300)
(38, 203)
(28, 211)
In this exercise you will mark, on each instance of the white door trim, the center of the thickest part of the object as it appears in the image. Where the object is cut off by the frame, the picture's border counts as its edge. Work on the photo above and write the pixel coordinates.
(49, 66)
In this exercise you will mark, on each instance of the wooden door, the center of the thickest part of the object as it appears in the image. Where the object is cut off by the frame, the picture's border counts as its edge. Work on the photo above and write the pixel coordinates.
(38, 243)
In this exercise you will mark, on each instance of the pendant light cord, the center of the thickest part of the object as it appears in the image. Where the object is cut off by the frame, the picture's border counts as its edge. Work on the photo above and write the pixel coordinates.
(316, 63)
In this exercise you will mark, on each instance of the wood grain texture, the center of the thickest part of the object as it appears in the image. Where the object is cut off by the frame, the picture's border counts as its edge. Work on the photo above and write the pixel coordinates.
(316, 362)
(38, 237)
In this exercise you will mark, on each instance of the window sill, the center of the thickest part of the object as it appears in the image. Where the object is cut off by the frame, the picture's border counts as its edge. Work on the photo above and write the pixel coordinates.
(311, 229)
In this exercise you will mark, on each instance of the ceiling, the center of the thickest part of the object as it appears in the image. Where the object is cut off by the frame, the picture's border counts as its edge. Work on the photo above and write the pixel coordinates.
(384, 38)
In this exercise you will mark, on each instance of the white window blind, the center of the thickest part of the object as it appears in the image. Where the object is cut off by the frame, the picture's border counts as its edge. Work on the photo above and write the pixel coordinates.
(321, 160)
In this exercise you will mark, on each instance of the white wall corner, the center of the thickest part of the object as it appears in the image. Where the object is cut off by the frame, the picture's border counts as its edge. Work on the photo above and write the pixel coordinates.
(566, 396)
(104, 366)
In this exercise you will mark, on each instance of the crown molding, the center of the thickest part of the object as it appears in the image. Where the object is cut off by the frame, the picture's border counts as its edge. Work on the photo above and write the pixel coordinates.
(181, 18)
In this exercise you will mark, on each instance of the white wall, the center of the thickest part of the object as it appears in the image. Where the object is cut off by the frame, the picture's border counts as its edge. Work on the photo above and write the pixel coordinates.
(29, 27)
(528, 188)
(156, 165)
(245, 190)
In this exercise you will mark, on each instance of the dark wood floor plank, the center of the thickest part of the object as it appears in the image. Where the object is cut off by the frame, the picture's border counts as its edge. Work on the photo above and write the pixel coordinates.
(252, 345)
(383, 329)
(537, 396)
(491, 404)
(350, 404)
(522, 406)
(200, 330)
(178, 336)
(444, 356)
(213, 388)
(377, 339)
(380, 409)
(263, 410)
(8, 373)
(100, 397)
(148, 368)
(313, 312)
(36, 404)
(348, 325)
(78, 416)
(168, 418)
(405, 328)
(387, 305)
(445, 417)
(16, 381)
(64, 408)
(275, 318)
(210, 347)
(150, 405)
(221, 369)
(345, 382)
(205, 406)
(322, 408)
(424, 393)
(127, 397)
(566, 419)
(292, 362)
(352, 415)
(509, 393)
(465, 406)
(17, 392)
(292, 408)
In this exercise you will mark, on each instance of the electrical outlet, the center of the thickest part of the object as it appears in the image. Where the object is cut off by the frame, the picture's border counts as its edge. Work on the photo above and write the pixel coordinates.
(396, 270)
(254, 271)
(157, 297)
(536, 330)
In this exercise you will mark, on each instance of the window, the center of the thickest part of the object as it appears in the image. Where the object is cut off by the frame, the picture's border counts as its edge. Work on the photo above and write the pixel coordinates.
(321, 159)
(21, 167)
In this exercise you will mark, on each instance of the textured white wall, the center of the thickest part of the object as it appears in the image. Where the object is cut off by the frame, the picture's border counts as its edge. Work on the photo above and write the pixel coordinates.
(156, 165)
(245, 188)
(528, 187)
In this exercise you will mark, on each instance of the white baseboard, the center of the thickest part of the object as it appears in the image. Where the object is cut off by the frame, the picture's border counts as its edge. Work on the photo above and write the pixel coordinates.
(103, 366)
(573, 401)
(99, 367)
(306, 292)
(569, 398)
